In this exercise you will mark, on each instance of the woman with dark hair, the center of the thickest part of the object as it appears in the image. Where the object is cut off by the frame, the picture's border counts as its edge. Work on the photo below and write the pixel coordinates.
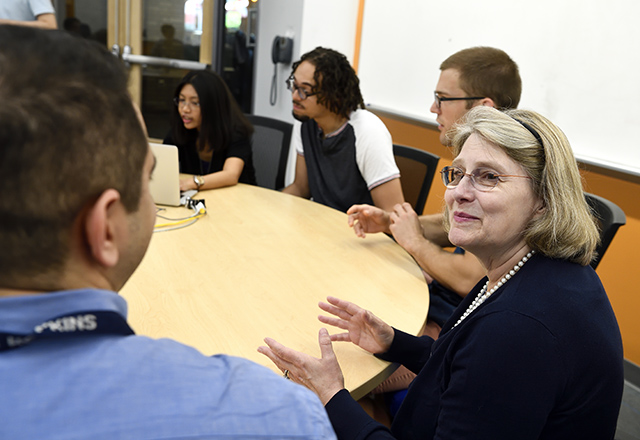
(211, 132)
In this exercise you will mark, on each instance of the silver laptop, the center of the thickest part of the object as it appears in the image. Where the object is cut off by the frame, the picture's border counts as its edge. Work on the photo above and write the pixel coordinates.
(165, 182)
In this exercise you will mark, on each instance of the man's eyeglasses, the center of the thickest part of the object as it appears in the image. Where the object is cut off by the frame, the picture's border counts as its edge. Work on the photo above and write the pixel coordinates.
(302, 93)
(440, 99)
(183, 103)
(482, 179)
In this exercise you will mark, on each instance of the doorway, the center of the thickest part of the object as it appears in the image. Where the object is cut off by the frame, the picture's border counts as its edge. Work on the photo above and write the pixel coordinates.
(161, 40)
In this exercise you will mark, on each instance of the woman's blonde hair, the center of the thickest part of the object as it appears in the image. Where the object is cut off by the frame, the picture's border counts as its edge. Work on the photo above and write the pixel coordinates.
(566, 229)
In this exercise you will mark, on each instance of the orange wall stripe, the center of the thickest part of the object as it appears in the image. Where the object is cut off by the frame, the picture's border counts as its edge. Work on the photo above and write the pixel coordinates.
(356, 55)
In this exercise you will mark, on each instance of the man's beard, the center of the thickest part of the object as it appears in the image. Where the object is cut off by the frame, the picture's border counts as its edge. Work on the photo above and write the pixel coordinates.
(300, 118)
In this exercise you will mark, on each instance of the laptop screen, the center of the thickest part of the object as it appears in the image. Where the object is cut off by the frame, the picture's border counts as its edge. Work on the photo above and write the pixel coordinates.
(165, 181)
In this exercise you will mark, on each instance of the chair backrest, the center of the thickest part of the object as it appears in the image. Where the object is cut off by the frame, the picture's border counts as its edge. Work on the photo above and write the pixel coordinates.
(417, 168)
(271, 140)
(610, 217)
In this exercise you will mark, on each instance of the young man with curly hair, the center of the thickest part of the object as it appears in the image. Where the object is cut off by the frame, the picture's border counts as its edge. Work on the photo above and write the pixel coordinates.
(345, 153)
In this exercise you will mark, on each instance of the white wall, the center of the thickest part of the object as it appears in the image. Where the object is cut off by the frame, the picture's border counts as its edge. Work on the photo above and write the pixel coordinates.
(311, 23)
(283, 18)
(578, 59)
(330, 23)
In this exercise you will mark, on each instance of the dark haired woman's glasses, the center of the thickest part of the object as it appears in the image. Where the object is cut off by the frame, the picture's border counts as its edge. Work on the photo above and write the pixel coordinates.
(183, 103)
(482, 179)
(302, 93)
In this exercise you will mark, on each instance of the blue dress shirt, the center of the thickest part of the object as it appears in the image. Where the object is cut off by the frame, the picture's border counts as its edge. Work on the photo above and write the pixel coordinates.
(83, 384)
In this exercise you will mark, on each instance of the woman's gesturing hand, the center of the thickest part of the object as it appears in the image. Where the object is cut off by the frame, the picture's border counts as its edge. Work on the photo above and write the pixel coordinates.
(322, 376)
(362, 327)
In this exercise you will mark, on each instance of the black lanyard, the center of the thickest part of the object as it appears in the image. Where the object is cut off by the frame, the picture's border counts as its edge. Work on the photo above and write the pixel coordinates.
(80, 323)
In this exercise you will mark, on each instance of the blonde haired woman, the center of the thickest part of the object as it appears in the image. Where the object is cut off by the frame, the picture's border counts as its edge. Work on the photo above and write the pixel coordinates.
(534, 351)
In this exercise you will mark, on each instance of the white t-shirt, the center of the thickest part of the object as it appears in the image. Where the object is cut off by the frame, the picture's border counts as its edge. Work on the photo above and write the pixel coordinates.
(374, 148)
(344, 166)
(25, 10)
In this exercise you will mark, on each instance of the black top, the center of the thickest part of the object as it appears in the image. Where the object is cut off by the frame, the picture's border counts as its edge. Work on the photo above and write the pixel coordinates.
(190, 162)
(541, 358)
(332, 170)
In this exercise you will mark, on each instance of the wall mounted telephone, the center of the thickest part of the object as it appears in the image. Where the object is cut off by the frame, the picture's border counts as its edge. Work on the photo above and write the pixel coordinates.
(281, 52)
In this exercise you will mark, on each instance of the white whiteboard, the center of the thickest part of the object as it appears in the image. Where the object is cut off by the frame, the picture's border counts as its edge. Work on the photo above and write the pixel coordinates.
(579, 62)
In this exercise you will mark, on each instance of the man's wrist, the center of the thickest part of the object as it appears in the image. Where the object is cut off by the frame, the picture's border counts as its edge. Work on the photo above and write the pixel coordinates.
(387, 222)
(414, 245)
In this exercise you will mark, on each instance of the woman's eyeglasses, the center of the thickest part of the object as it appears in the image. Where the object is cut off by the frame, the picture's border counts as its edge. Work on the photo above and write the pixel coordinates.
(482, 179)
(184, 103)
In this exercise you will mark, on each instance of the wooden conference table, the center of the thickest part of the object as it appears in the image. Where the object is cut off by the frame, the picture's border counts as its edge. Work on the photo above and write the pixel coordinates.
(257, 265)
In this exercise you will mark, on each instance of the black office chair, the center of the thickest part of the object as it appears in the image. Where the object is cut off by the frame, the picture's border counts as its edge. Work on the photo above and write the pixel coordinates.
(271, 140)
(417, 168)
(610, 217)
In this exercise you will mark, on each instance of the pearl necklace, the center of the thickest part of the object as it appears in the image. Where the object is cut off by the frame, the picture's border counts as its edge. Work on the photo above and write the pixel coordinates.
(483, 294)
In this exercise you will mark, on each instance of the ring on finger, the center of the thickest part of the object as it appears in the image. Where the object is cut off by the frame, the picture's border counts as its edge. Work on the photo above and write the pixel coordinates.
(286, 375)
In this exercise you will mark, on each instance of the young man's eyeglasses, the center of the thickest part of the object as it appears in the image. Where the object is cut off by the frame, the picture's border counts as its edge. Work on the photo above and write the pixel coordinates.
(302, 93)
(482, 179)
(440, 99)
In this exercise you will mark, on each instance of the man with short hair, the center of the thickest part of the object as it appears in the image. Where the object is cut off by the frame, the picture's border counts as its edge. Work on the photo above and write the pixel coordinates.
(34, 13)
(77, 217)
(468, 78)
(345, 153)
